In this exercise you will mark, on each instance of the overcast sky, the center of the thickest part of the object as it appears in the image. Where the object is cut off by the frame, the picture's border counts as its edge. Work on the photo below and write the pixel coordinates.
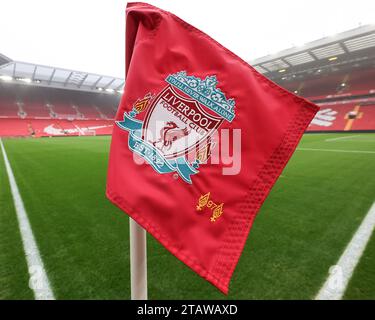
(88, 35)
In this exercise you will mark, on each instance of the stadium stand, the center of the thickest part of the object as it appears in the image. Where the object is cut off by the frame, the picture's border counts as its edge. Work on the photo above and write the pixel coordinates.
(345, 115)
(41, 111)
(351, 83)
(347, 100)
(38, 101)
(12, 127)
(337, 73)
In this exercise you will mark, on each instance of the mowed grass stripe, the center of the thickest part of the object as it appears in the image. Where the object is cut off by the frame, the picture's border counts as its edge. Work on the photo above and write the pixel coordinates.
(301, 231)
(362, 283)
(14, 278)
(313, 207)
(39, 281)
(335, 285)
(83, 237)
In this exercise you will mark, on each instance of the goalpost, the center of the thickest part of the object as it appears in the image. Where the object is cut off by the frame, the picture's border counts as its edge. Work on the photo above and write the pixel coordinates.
(86, 132)
(90, 132)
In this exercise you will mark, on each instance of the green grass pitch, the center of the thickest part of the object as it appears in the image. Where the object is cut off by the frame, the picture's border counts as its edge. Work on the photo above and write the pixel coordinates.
(301, 230)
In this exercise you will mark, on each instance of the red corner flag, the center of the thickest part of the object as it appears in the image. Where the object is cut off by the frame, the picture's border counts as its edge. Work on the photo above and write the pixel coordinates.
(199, 141)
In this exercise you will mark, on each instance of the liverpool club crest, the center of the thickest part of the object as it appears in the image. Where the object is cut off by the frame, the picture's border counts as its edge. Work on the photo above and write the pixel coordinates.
(176, 133)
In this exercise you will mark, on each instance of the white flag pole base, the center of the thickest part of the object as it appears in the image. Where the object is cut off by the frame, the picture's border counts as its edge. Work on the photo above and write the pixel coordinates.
(138, 261)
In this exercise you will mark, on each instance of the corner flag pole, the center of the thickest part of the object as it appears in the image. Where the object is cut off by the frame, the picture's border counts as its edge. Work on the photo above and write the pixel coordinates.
(138, 253)
(138, 261)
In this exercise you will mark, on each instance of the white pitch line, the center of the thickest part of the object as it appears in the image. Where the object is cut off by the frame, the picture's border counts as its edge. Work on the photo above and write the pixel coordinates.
(337, 150)
(340, 274)
(38, 282)
(342, 138)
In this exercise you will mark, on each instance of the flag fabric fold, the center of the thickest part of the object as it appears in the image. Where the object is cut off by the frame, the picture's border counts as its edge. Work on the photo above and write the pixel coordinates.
(200, 139)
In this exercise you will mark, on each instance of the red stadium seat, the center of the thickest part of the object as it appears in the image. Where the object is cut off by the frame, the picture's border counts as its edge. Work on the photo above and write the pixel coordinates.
(13, 127)
(345, 116)
(27, 110)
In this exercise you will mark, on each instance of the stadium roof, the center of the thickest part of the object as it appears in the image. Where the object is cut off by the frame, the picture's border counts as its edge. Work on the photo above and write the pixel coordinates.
(355, 46)
(346, 47)
(40, 75)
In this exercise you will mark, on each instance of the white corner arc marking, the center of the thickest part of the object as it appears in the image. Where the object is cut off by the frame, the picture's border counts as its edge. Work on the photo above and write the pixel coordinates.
(342, 138)
(336, 150)
(340, 274)
(38, 281)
